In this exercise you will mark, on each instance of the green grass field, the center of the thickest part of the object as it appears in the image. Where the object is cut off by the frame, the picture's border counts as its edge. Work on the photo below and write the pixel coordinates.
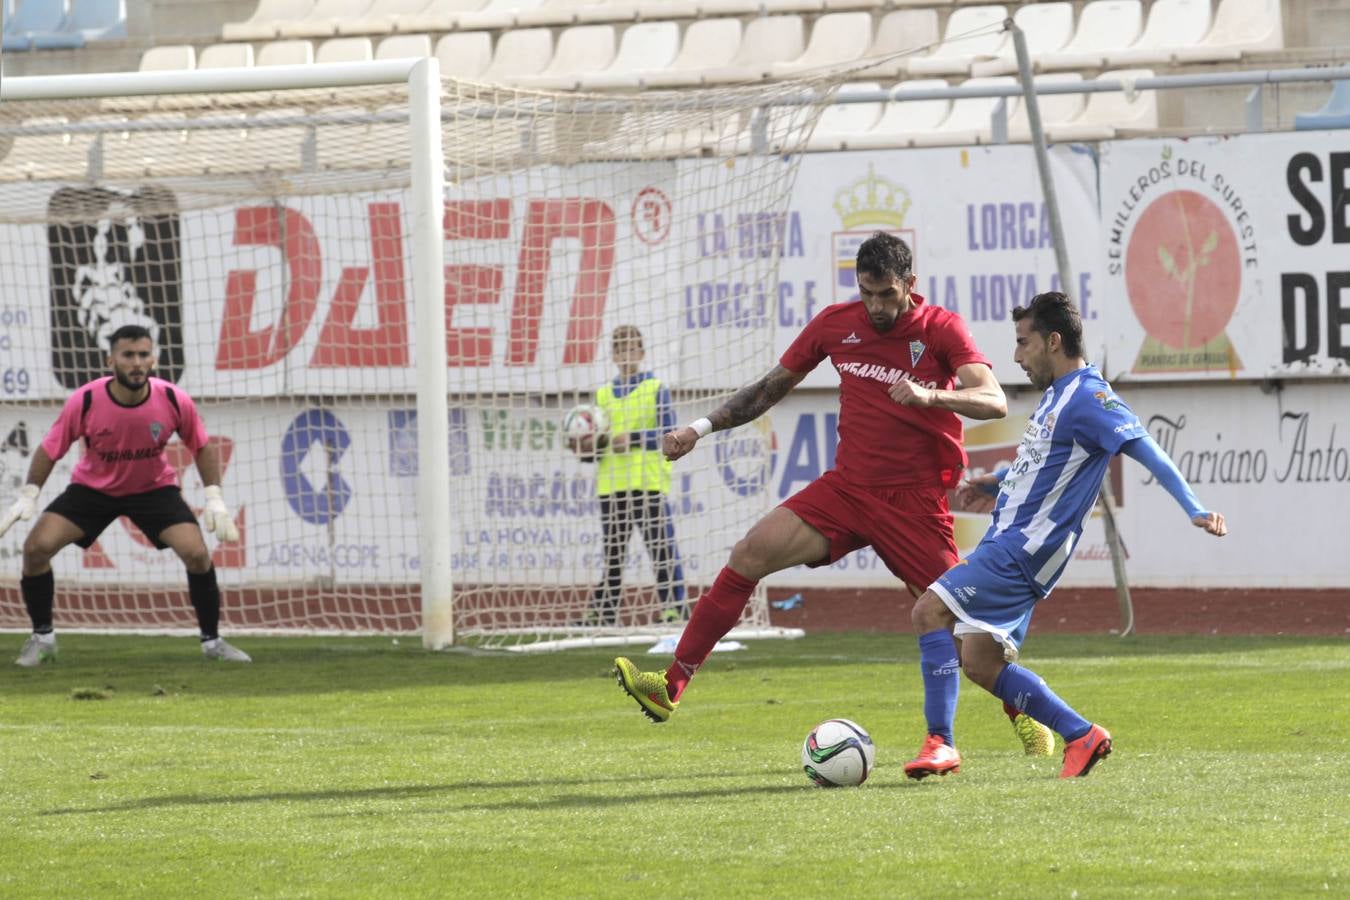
(356, 767)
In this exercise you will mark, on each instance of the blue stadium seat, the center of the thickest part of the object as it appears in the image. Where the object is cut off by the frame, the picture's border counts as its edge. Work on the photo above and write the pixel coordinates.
(1335, 114)
(98, 20)
(31, 18)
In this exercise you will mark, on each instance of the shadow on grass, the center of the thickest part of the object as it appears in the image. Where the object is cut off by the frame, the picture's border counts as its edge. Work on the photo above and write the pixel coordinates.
(412, 791)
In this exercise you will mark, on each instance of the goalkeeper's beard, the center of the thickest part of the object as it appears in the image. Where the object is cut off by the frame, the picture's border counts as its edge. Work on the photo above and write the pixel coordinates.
(126, 380)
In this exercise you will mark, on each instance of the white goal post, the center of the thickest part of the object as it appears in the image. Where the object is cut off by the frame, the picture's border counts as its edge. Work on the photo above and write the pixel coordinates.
(356, 269)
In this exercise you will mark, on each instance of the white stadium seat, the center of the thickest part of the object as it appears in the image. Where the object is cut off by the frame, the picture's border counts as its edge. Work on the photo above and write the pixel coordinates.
(1048, 28)
(973, 32)
(1104, 26)
(1056, 109)
(168, 58)
(465, 54)
(551, 12)
(345, 49)
(901, 35)
(523, 51)
(1107, 113)
(637, 11)
(48, 157)
(645, 46)
(580, 49)
(970, 121)
(496, 15)
(902, 121)
(404, 46)
(836, 39)
(1172, 25)
(767, 39)
(842, 123)
(384, 16)
(225, 56)
(1239, 25)
(286, 53)
(265, 23)
(708, 44)
(323, 18)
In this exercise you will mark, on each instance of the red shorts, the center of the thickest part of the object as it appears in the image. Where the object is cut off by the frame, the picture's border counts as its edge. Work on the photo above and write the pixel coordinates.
(910, 528)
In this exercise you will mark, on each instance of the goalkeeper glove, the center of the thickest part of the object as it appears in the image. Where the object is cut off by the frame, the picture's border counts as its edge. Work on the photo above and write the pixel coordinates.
(23, 508)
(217, 517)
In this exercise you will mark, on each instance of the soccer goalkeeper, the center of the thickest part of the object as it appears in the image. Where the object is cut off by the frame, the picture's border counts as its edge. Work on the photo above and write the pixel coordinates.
(125, 420)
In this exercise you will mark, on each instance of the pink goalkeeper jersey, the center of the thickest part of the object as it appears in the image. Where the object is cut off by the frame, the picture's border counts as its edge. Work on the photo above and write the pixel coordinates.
(124, 445)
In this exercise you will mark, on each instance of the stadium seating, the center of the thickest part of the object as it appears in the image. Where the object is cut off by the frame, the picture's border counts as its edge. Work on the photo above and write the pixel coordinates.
(900, 35)
(36, 20)
(1111, 113)
(842, 123)
(1335, 113)
(1172, 26)
(520, 52)
(837, 39)
(708, 44)
(404, 46)
(1104, 27)
(1239, 26)
(45, 157)
(902, 120)
(1048, 27)
(465, 54)
(971, 118)
(323, 18)
(384, 16)
(286, 53)
(495, 15)
(972, 32)
(1055, 109)
(767, 39)
(581, 49)
(225, 56)
(345, 49)
(266, 21)
(168, 57)
(645, 46)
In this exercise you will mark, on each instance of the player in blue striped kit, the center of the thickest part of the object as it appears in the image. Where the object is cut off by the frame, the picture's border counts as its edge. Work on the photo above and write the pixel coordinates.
(1044, 499)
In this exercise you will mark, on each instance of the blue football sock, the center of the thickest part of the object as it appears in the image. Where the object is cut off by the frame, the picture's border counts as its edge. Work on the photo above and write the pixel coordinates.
(1028, 692)
(941, 681)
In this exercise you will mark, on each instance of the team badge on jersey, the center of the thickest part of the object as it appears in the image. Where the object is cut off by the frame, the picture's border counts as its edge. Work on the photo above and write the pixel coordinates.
(916, 349)
(156, 430)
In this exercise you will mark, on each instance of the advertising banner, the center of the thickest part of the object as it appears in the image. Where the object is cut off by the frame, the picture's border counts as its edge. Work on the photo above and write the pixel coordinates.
(1225, 257)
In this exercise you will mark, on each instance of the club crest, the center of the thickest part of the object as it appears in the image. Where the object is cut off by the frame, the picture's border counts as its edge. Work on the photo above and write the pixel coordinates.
(155, 430)
(916, 349)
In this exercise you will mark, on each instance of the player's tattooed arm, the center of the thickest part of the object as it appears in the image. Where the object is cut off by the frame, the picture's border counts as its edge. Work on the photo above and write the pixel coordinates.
(755, 399)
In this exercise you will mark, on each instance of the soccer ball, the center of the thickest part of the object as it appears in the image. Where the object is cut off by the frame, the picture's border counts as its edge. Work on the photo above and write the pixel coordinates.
(838, 753)
(585, 420)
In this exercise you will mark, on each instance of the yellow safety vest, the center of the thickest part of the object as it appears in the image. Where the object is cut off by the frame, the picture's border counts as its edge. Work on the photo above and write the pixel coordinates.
(637, 469)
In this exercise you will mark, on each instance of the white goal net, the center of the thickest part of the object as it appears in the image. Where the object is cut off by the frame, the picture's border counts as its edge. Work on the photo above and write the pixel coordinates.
(267, 237)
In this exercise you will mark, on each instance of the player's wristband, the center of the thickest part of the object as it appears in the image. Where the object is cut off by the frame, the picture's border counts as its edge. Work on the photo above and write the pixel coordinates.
(702, 427)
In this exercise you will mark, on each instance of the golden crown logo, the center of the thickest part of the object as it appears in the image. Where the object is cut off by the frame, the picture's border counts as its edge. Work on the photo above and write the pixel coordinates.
(872, 201)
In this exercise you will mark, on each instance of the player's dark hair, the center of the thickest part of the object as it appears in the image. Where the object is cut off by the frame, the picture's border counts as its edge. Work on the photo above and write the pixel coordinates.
(1053, 311)
(885, 256)
(129, 333)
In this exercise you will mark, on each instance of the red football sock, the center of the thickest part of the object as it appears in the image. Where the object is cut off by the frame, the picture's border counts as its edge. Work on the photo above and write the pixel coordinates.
(715, 613)
(1010, 711)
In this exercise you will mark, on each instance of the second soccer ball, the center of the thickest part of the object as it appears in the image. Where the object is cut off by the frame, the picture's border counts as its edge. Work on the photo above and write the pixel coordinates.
(585, 420)
(838, 753)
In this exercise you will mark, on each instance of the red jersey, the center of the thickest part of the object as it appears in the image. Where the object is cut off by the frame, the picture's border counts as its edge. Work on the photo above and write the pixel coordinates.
(882, 443)
(124, 445)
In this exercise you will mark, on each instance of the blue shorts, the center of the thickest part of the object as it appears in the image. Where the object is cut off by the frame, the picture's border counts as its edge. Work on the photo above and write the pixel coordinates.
(988, 592)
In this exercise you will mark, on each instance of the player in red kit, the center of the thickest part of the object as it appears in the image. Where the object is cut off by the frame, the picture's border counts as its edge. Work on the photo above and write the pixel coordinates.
(906, 369)
(125, 421)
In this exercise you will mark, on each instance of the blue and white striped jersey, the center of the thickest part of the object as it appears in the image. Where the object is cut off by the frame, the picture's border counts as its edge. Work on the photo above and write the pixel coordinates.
(1050, 489)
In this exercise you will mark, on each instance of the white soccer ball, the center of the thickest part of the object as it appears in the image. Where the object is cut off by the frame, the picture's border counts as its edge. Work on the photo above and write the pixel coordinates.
(838, 753)
(585, 420)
